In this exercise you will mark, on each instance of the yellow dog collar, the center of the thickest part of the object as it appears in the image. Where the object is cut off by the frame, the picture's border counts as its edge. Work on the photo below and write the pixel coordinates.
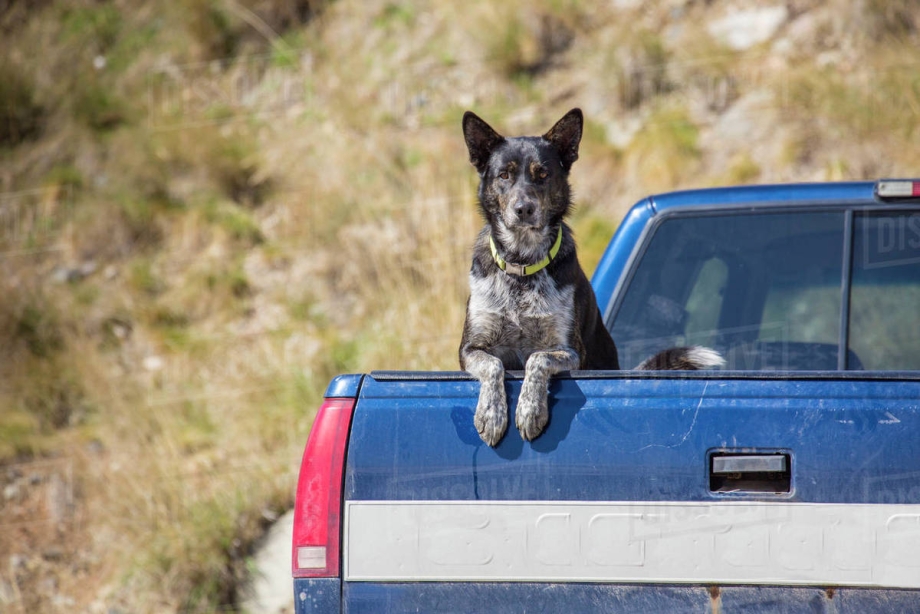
(528, 269)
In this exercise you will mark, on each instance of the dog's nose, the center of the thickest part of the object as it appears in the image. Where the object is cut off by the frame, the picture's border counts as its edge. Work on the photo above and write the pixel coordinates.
(524, 210)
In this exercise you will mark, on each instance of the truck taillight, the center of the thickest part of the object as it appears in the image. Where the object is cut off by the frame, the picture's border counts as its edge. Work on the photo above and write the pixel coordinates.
(318, 506)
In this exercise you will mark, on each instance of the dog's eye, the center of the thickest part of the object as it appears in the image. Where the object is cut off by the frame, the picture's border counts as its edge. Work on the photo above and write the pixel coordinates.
(504, 175)
(542, 174)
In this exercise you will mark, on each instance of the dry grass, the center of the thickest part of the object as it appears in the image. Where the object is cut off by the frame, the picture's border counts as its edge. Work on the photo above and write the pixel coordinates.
(211, 208)
(664, 153)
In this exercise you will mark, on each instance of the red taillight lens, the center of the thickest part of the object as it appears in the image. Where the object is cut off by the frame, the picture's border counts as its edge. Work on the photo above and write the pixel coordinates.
(318, 506)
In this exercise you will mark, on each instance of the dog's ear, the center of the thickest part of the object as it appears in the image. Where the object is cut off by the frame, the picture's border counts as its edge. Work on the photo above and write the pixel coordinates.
(481, 140)
(566, 135)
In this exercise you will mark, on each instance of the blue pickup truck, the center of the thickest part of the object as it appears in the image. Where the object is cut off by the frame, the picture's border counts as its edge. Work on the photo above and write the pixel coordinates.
(789, 481)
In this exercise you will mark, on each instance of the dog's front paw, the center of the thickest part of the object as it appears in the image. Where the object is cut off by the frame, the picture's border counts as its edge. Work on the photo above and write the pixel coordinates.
(491, 417)
(532, 411)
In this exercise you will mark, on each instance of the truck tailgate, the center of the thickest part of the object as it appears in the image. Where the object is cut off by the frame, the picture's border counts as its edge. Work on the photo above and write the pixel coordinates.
(637, 497)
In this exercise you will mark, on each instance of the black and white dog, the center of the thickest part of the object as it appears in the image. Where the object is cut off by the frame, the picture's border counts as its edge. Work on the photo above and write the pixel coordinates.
(531, 306)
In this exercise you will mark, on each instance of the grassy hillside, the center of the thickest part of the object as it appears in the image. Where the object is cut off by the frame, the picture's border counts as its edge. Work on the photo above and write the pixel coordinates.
(208, 208)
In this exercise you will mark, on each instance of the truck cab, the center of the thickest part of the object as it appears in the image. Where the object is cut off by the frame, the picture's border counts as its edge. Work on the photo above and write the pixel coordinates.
(815, 277)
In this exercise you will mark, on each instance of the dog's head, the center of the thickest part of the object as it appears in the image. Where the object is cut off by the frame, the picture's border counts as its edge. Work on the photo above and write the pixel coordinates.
(524, 189)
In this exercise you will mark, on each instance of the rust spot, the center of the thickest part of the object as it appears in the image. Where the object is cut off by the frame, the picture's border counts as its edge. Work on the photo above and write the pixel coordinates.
(715, 596)
(830, 593)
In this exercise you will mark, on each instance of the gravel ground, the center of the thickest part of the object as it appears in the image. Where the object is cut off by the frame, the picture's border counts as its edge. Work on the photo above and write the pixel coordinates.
(271, 590)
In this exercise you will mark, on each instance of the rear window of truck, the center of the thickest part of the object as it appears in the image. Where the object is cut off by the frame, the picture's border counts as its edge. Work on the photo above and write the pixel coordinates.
(779, 291)
(884, 293)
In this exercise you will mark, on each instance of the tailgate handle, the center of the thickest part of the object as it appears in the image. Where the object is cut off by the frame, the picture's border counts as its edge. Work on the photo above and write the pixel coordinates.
(767, 463)
(750, 473)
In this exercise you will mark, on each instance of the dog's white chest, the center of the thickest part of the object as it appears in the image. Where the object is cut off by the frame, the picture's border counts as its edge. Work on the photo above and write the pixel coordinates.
(538, 316)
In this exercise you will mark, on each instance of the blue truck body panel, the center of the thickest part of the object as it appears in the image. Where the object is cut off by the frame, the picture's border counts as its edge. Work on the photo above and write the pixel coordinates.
(530, 598)
(635, 437)
(322, 596)
(621, 438)
(344, 386)
(626, 240)
(800, 194)
(317, 595)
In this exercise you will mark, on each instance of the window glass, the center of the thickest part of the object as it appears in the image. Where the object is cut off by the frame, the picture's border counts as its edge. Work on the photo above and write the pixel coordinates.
(885, 291)
(705, 302)
(762, 289)
(809, 314)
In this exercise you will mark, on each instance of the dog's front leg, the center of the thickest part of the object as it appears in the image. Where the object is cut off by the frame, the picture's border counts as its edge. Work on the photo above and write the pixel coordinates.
(491, 417)
(533, 408)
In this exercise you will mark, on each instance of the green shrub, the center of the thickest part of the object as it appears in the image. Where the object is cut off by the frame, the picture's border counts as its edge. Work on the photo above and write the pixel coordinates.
(524, 43)
(143, 278)
(21, 116)
(101, 23)
(99, 108)
(236, 165)
(55, 396)
(40, 329)
(592, 233)
(742, 169)
(213, 27)
(664, 152)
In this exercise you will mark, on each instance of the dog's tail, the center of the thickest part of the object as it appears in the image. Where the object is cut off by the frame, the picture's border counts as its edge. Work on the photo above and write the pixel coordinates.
(682, 359)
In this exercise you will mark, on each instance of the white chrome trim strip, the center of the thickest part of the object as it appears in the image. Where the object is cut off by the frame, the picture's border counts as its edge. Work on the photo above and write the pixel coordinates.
(724, 542)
